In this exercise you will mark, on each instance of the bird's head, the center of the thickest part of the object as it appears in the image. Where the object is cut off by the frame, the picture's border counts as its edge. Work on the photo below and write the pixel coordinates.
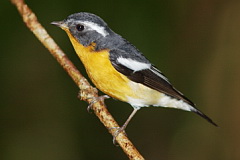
(86, 28)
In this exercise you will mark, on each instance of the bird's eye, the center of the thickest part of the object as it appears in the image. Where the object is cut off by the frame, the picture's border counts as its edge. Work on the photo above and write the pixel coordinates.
(79, 27)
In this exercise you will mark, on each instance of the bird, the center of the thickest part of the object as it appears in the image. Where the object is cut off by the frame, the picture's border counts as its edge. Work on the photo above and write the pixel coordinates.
(119, 69)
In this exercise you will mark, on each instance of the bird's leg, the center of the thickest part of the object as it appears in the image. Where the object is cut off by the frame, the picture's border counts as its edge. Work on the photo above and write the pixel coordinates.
(122, 129)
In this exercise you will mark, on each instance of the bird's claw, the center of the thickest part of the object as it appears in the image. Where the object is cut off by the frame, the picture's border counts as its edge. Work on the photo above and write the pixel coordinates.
(95, 100)
(116, 133)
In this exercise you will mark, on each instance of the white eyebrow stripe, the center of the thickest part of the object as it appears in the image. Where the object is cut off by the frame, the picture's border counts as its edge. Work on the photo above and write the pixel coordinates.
(133, 64)
(93, 26)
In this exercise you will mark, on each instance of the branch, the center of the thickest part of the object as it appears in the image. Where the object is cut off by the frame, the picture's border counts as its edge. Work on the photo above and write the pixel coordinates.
(86, 89)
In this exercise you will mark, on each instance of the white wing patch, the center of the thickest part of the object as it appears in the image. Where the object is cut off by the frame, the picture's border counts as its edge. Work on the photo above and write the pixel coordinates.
(133, 64)
(93, 26)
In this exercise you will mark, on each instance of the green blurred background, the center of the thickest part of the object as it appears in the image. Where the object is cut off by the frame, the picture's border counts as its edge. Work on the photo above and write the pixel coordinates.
(195, 43)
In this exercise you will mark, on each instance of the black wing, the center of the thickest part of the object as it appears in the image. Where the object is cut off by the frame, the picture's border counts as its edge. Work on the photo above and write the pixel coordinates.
(151, 78)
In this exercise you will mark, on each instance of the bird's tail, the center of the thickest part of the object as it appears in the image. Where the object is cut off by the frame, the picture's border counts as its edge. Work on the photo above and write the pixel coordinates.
(204, 116)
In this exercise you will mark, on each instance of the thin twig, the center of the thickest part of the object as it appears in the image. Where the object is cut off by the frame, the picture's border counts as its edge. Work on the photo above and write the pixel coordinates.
(86, 89)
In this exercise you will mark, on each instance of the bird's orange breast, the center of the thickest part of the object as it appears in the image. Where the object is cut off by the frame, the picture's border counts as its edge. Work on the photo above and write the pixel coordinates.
(100, 70)
(106, 78)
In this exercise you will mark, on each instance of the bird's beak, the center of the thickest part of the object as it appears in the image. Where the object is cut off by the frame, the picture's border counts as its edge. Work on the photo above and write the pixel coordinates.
(60, 24)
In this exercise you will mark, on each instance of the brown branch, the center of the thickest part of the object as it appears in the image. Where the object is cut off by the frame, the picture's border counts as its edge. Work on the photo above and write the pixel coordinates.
(86, 89)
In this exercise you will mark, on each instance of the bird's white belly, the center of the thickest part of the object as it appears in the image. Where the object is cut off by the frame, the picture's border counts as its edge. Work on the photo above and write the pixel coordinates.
(145, 96)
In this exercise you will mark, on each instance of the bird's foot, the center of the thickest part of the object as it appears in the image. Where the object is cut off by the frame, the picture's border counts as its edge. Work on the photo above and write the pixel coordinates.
(95, 100)
(117, 131)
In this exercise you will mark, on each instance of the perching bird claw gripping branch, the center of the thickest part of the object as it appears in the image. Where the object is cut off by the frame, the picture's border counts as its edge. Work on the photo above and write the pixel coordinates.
(99, 109)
